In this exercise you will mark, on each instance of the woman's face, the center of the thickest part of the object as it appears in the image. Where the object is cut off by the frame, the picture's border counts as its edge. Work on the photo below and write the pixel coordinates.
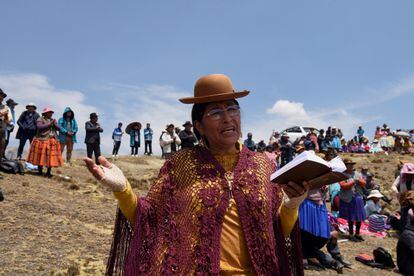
(170, 129)
(48, 115)
(221, 124)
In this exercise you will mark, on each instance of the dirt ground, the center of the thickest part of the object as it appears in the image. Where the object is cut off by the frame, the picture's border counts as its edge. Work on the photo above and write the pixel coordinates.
(64, 227)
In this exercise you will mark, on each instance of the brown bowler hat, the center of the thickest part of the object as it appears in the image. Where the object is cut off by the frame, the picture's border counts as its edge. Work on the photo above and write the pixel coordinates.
(213, 88)
(348, 161)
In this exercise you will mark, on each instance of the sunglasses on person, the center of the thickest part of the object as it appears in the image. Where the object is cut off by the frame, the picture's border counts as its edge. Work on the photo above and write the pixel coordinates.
(218, 113)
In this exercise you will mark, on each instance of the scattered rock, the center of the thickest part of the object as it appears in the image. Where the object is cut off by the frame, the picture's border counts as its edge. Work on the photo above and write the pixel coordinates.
(74, 186)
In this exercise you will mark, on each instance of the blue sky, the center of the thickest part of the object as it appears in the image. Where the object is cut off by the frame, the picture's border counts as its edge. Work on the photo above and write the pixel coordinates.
(320, 63)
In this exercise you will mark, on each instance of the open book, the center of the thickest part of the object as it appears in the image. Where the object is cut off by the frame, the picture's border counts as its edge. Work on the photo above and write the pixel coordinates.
(307, 166)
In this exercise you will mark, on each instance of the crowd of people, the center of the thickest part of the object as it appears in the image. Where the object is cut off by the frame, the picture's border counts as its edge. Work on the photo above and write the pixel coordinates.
(49, 137)
(283, 149)
(356, 200)
(210, 150)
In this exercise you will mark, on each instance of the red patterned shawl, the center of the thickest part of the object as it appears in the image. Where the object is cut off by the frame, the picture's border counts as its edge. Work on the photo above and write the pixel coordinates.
(178, 224)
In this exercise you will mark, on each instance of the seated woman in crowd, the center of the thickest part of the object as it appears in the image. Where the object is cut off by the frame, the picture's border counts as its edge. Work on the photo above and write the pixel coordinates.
(402, 187)
(374, 212)
(405, 245)
(376, 147)
(408, 146)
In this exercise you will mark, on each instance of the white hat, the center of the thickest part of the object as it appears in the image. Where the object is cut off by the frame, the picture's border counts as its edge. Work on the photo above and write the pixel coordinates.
(31, 104)
(375, 193)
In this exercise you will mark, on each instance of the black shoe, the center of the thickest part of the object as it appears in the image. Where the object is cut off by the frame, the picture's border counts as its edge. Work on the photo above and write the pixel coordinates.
(352, 238)
(359, 238)
(344, 262)
(338, 267)
(315, 265)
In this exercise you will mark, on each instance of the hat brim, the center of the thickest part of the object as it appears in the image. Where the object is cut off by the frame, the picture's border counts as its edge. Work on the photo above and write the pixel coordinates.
(376, 196)
(3, 94)
(215, 98)
(27, 106)
(131, 125)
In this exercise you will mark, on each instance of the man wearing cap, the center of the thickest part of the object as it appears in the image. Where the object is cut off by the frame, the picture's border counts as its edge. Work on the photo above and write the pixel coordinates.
(5, 118)
(27, 127)
(188, 139)
(92, 137)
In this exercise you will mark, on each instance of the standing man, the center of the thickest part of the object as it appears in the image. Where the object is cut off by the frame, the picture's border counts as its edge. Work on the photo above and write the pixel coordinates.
(5, 118)
(249, 143)
(93, 138)
(27, 127)
(117, 137)
(148, 139)
(286, 148)
(187, 136)
(10, 127)
(360, 133)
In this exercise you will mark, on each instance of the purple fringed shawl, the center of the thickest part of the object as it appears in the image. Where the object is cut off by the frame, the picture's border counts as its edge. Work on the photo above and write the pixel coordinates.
(178, 224)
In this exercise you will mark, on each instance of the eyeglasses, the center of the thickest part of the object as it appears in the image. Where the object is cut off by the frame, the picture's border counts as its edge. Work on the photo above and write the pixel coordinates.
(218, 113)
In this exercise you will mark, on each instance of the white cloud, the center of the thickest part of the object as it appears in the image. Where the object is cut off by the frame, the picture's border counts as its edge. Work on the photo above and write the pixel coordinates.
(285, 113)
(286, 108)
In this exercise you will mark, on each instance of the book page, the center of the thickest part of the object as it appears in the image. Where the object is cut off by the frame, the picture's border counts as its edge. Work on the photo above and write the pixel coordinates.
(299, 159)
(337, 165)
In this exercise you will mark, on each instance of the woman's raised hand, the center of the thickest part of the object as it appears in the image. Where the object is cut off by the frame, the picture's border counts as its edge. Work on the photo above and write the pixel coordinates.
(295, 193)
(107, 173)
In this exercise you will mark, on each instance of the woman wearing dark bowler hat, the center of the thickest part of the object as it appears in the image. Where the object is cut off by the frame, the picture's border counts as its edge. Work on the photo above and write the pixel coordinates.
(212, 210)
